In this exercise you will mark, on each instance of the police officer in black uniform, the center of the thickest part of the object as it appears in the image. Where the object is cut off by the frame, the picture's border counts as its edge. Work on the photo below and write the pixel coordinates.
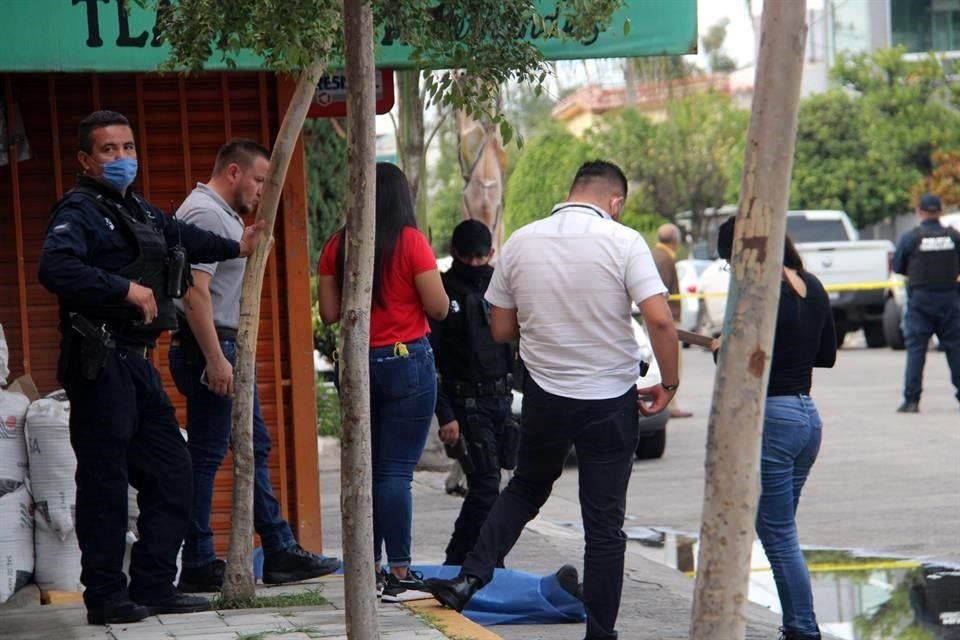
(115, 261)
(473, 403)
(929, 255)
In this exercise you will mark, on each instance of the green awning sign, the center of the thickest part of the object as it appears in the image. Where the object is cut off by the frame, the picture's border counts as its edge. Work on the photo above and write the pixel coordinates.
(98, 35)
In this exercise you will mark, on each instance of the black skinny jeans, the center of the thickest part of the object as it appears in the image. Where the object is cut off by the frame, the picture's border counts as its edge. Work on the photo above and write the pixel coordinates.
(605, 433)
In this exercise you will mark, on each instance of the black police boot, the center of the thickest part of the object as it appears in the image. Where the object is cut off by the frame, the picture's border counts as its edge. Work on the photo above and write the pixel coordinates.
(294, 564)
(205, 579)
(909, 407)
(176, 603)
(119, 612)
(453, 593)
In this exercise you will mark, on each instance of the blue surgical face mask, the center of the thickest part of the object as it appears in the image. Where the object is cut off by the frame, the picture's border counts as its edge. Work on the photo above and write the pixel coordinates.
(120, 173)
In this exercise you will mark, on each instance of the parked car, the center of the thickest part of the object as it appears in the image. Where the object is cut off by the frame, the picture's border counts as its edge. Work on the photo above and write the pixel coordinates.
(832, 251)
(653, 429)
(688, 273)
(894, 306)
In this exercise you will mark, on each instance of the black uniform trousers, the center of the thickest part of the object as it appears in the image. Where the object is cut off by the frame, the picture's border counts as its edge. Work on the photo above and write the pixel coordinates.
(124, 430)
(605, 433)
(931, 312)
(481, 424)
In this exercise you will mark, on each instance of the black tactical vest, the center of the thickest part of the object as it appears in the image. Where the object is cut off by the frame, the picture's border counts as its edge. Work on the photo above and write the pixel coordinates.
(149, 269)
(470, 352)
(933, 261)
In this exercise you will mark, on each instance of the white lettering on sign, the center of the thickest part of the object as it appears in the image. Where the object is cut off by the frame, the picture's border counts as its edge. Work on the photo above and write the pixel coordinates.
(944, 243)
(333, 88)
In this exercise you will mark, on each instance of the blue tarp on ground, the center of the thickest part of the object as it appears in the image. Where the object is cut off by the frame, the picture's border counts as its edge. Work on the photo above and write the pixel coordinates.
(515, 597)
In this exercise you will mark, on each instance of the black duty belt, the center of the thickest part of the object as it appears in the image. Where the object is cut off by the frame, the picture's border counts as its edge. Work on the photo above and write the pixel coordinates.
(140, 350)
(465, 389)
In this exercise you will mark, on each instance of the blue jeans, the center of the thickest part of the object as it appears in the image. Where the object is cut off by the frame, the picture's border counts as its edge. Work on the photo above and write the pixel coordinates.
(403, 397)
(791, 440)
(931, 312)
(208, 427)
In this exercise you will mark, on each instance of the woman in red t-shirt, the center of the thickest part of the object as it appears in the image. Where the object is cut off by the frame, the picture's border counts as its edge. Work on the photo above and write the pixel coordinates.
(403, 383)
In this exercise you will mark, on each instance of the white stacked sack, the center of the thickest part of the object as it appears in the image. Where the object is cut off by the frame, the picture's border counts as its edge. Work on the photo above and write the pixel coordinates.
(52, 469)
(16, 515)
(16, 542)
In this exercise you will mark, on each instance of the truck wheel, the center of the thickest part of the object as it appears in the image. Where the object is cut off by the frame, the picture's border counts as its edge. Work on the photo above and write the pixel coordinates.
(891, 325)
(873, 331)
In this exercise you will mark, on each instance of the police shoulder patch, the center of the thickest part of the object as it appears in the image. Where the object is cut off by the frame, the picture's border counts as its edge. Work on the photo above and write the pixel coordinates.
(63, 227)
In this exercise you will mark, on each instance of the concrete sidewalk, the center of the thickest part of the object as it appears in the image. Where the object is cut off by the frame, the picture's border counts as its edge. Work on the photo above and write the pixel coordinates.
(25, 619)
(656, 600)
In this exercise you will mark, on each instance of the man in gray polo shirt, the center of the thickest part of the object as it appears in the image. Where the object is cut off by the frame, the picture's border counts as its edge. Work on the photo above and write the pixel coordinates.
(202, 356)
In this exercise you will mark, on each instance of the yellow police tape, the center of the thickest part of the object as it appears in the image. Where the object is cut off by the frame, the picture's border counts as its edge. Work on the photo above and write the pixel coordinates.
(830, 567)
(854, 286)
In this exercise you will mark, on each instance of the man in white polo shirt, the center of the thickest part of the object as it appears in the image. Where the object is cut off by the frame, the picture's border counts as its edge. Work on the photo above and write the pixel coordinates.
(564, 286)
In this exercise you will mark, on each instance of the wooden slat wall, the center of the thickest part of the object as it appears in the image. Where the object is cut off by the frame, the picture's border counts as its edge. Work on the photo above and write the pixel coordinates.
(179, 124)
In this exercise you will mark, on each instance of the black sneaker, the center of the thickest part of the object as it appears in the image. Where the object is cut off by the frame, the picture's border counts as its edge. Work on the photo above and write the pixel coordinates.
(395, 586)
(205, 579)
(294, 564)
(909, 407)
(381, 582)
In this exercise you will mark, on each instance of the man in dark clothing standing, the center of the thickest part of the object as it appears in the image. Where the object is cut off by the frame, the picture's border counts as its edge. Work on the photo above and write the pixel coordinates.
(473, 404)
(115, 262)
(929, 255)
(665, 257)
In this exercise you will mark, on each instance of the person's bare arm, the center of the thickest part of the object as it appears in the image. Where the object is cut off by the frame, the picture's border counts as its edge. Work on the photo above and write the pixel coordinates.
(328, 294)
(433, 297)
(504, 325)
(663, 338)
(198, 308)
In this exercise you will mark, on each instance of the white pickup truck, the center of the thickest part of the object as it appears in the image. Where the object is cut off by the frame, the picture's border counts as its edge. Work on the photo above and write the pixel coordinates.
(853, 271)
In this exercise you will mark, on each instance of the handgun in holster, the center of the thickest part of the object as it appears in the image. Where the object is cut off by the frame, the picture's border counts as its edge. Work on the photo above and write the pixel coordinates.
(460, 451)
(95, 346)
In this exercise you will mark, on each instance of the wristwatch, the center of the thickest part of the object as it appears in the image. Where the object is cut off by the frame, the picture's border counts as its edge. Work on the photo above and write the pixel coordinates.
(669, 387)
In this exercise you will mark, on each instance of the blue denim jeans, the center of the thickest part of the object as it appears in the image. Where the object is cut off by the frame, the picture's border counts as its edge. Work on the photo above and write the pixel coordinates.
(791, 440)
(403, 397)
(208, 430)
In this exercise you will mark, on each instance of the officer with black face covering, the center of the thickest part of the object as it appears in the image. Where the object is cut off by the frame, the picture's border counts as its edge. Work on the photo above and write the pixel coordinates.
(473, 405)
(115, 262)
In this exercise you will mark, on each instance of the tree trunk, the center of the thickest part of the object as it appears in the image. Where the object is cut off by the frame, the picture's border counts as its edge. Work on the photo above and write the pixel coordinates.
(356, 495)
(239, 580)
(410, 142)
(733, 442)
(629, 82)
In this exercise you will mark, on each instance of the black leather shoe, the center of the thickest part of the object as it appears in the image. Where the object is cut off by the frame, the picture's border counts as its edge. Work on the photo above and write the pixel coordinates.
(569, 580)
(294, 564)
(205, 579)
(453, 593)
(119, 613)
(909, 407)
(177, 603)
